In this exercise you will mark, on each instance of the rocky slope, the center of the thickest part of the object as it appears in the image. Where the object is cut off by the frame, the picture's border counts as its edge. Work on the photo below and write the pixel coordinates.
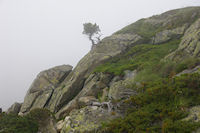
(97, 89)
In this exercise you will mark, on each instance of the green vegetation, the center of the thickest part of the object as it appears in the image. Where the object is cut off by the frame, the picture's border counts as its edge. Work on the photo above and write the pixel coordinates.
(12, 123)
(160, 106)
(42, 116)
(143, 56)
(165, 69)
(147, 60)
(188, 63)
(162, 101)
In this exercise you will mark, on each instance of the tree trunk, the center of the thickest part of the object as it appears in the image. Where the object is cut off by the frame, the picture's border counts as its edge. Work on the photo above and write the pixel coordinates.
(90, 38)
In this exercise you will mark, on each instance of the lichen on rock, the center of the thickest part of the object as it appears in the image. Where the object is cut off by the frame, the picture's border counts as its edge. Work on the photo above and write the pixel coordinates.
(85, 120)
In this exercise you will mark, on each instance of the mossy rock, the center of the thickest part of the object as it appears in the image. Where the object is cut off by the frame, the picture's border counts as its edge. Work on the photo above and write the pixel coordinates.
(87, 120)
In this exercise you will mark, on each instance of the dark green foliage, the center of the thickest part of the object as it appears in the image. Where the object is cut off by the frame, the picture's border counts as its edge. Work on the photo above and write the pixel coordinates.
(140, 57)
(10, 123)
(90, 30)
(42, 116)
(160, 106)
(164, 69)
(188, 63)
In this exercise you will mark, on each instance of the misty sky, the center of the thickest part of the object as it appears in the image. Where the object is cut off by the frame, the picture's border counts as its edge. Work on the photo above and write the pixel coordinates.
(39, 34)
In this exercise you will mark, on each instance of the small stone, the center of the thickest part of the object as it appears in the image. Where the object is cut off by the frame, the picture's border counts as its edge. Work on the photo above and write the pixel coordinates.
(60, 125)
(94, 107)
(67, 118)
(96, 104)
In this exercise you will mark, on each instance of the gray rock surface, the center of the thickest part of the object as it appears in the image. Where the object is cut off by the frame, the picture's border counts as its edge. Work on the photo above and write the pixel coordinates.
(194, 114)
(93, 86)
(15, 108)
(167, 35)
(87, 120)
(119, 90)
(43, 86)
(190, 44)
(59, 125)
(109, 47)
(167, 19)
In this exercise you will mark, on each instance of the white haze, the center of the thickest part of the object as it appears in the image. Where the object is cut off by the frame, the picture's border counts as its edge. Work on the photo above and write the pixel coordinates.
(39, 34)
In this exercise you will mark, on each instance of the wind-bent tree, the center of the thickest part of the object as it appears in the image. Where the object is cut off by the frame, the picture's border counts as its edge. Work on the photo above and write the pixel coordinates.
(93, 32)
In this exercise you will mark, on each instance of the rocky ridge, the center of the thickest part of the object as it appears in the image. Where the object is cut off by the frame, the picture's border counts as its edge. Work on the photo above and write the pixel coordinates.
(83, 99)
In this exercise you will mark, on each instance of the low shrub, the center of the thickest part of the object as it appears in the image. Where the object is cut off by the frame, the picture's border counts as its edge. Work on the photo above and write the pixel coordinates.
(11, 123)
(160, 106)
(41, 116)
(30, 123)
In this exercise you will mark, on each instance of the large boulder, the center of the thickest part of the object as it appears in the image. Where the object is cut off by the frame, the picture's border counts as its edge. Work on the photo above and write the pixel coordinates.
(106, 49)
(43, 87)
(15, 108)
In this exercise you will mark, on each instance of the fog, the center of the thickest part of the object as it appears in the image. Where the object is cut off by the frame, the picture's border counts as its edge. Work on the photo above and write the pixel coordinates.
(38, 34)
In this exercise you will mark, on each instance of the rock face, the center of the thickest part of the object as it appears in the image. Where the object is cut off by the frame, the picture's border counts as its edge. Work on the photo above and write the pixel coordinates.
(109, 47)
(43, 87)
(93, 86)
(119, 90)
(15, 108)
(100, 87)
(167, 35)
(190, 44)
